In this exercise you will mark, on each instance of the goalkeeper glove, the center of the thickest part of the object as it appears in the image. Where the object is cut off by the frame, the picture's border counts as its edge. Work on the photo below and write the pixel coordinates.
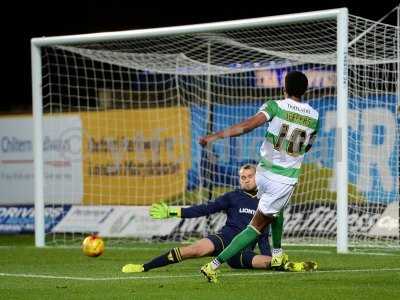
(163, 211)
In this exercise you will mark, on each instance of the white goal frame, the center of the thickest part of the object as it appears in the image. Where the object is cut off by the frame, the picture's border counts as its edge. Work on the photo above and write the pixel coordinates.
(340, 14)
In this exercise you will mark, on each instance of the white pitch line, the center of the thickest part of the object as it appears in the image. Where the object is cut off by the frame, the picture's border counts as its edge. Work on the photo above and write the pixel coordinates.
(311, 251)
(192, 275)
(375, 253)
(354, 252)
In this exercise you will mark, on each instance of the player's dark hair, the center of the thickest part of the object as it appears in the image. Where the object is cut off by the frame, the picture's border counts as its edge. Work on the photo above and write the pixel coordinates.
(296, 84)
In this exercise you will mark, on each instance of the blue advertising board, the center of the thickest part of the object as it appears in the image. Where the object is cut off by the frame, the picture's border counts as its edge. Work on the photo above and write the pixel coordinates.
(373, 145)
(21, 218)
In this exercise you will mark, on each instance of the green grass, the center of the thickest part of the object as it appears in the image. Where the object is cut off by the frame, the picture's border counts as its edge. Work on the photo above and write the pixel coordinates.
(364, 275)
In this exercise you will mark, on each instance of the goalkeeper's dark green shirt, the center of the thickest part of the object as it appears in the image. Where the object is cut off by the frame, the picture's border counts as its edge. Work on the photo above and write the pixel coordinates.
(239, 207)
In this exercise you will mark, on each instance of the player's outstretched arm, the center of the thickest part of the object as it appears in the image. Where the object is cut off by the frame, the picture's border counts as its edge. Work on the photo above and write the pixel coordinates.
(235, 130)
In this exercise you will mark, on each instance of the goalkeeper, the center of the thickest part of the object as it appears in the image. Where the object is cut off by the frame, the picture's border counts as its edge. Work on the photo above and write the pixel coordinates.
(240, 206)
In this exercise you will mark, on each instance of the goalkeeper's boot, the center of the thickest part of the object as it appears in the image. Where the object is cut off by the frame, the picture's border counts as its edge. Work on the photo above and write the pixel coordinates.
(301, 266)
(131, 268)
(279, 259)
(209, 273)
(310, 265)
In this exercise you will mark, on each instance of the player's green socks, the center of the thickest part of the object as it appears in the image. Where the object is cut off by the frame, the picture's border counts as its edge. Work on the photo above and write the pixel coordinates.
(277, 229)
(278, 257)
(171, 257)
(241, 241)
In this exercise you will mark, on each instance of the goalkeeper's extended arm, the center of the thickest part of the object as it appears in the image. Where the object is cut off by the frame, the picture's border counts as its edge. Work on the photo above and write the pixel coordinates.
(163, 211)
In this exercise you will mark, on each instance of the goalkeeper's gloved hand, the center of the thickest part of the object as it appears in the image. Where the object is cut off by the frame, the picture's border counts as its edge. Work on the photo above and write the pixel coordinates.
(163, 211)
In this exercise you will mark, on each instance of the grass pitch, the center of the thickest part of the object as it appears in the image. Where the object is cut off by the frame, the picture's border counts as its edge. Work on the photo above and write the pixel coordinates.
(65, 273)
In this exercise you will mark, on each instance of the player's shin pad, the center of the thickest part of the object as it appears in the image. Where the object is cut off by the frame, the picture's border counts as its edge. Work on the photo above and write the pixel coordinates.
(277, 229)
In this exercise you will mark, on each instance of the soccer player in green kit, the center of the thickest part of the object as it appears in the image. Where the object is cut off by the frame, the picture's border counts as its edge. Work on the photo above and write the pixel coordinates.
(293, 126)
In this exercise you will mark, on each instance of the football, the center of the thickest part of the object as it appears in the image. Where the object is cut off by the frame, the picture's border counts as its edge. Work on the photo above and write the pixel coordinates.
(93, 246)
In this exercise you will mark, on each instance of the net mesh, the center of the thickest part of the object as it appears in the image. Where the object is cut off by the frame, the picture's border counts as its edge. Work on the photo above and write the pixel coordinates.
(129, 114)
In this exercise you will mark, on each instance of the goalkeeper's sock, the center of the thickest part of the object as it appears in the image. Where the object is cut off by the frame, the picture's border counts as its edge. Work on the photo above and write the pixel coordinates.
(171, 257)
(241, 241)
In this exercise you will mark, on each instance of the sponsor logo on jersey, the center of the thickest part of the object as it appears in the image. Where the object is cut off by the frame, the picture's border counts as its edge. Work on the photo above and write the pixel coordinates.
(247, 211)
(299, 109)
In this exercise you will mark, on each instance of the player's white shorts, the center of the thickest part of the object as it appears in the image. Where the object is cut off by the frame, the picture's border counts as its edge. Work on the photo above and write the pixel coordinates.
(273, 195)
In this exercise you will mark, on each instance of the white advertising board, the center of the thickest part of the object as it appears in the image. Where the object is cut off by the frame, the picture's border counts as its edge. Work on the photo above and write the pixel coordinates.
(62, 143)
(115, 221)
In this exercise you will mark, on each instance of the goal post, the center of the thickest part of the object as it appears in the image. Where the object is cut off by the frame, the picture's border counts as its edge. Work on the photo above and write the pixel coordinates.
(133, 104)
(37, 107)
(341, 131)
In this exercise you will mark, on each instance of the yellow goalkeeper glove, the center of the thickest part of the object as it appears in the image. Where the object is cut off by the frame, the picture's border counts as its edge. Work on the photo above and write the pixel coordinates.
(163, 211)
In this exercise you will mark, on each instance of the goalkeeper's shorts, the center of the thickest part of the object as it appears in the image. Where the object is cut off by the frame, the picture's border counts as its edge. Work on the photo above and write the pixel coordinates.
(242, 260)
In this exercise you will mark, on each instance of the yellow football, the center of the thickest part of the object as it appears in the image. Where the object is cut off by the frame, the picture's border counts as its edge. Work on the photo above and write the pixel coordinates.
(93, 246)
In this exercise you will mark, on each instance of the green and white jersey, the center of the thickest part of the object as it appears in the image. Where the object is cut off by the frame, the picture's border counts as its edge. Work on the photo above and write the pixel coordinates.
(292, 126)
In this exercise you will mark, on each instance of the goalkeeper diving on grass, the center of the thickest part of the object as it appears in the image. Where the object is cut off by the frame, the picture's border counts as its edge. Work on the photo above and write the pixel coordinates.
(239, 206)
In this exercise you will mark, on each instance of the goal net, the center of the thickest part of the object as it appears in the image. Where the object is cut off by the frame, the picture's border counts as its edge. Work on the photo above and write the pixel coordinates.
(122, 119)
